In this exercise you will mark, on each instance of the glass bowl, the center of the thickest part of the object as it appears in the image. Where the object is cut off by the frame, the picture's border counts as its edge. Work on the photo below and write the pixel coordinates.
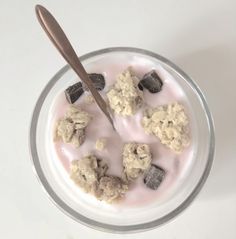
(57, 184)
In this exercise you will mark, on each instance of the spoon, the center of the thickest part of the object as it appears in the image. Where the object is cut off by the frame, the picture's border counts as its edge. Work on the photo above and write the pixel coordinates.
(61, 42)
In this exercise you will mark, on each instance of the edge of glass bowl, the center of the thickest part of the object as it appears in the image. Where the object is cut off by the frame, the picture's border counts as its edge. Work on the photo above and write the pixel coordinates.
(87, 221)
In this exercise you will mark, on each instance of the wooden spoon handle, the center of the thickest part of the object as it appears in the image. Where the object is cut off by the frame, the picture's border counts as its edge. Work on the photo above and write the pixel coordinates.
(61, 42)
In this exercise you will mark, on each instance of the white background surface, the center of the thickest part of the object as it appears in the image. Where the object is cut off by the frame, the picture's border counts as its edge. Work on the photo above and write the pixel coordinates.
(198, 35)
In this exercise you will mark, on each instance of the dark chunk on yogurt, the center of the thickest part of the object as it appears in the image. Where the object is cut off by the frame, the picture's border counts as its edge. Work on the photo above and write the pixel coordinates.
(73, 92)
(98, 81)
(151, 81)
(154, 176)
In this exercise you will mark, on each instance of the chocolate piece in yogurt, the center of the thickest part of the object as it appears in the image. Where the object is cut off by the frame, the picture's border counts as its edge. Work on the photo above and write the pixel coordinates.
(73, 92)
(154, 176)
(98, 81)
(151, 81)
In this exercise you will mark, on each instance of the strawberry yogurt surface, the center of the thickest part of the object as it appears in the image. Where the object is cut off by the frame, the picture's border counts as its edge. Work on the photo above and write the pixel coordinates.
(128, 129)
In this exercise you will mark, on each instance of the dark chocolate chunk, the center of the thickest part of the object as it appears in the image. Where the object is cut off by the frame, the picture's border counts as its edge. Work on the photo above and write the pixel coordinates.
(154, 176)
(98, 81)
(73, 92)
(140, 86)
(151, 81)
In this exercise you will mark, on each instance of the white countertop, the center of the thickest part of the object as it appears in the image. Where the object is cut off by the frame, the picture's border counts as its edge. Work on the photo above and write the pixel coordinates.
(199, 36)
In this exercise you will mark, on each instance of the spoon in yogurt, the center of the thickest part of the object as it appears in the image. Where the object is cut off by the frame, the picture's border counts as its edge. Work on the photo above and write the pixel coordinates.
(61, 42)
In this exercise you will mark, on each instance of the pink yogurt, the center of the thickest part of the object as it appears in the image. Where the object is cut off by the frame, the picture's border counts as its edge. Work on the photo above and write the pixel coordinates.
(130, 130)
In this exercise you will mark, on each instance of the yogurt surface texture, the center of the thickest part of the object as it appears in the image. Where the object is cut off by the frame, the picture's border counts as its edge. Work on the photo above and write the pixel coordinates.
(129, 129)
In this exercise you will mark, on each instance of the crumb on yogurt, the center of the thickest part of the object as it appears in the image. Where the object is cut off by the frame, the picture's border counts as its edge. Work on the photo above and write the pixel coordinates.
(101, 144)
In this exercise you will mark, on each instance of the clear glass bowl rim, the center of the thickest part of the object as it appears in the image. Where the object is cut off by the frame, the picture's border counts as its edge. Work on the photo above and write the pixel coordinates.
(70, 211)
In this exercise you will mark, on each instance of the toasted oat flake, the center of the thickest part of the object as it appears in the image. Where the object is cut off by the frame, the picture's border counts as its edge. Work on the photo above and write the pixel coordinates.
(170, 124)
(89, 173)
(136, 159)
(71, 128)
(124, 97)
(111, 188)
